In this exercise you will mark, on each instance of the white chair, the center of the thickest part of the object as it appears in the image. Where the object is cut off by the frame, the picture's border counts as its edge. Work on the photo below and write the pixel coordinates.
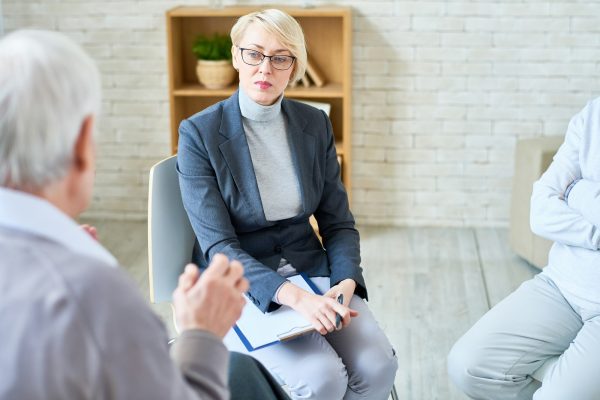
(540, 373)
(170, 235)
(532, 158)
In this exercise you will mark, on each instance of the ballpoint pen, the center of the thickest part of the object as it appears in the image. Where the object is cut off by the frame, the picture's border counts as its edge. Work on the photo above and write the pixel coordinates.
(338, 317)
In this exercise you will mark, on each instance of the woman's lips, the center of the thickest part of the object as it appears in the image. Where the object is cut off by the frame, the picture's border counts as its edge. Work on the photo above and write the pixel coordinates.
(263, 85)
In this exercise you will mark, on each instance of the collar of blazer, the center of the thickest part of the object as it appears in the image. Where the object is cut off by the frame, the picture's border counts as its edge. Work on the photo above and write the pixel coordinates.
(236, 152)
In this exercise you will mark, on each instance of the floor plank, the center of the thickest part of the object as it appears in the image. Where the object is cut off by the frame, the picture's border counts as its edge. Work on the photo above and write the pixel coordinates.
(426, 288)
(503, 270)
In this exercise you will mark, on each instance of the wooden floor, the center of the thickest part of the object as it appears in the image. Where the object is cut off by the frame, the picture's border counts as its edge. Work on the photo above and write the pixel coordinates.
(427, 286)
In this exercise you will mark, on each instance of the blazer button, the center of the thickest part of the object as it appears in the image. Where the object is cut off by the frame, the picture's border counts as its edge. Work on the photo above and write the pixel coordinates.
(277, 249)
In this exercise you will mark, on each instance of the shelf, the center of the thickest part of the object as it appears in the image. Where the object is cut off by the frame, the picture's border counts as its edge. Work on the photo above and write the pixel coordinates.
(236, 11)
(197, 90)
(330, 90)
(327, 91)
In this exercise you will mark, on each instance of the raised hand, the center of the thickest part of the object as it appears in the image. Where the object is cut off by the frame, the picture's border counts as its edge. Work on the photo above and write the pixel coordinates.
(212, 301)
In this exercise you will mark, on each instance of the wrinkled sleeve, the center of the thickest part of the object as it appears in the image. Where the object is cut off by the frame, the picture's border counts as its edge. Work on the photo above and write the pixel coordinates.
(210, 217)
(131, 345)
(584, 197)
(551, 216)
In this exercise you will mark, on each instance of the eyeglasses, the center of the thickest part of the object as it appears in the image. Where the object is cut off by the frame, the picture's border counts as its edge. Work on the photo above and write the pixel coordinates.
(254, 57)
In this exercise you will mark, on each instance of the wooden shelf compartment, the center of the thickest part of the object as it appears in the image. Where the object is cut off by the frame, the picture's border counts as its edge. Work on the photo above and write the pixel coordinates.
(328, 33)
(196, 89)
(186, 106)
(320, 36)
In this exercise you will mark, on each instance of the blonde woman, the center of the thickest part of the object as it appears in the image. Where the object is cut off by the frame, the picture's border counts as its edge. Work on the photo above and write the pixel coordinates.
(252, 170)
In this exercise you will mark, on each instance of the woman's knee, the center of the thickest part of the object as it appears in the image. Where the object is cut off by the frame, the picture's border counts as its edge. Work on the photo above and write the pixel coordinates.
(321, 376)
(373, 377)
(382, 371)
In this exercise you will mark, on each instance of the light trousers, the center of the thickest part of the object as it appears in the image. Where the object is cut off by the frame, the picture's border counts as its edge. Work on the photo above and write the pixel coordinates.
(496, 357)
(357, 362)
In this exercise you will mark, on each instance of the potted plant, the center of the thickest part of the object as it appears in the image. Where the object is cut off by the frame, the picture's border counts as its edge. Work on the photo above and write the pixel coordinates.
(214, 67)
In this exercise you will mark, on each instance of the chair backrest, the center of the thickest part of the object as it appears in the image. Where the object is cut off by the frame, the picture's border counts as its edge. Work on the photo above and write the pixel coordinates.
(532, 158)
(170, 235)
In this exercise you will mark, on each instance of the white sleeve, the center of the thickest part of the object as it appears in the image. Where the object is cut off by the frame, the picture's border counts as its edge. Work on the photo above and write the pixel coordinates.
(585, 198)
(551, 217)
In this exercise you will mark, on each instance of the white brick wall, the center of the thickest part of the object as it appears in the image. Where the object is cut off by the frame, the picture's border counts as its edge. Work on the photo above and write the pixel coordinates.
(463, 81)
(442, 91)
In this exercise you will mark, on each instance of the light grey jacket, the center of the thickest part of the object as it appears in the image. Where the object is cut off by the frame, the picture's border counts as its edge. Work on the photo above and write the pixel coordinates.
(73, 327)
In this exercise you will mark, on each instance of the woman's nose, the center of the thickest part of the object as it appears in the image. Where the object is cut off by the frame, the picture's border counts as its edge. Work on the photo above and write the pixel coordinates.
(265, 66)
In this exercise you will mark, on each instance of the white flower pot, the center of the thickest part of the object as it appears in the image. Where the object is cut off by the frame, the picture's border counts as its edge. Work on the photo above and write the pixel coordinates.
(215, 74)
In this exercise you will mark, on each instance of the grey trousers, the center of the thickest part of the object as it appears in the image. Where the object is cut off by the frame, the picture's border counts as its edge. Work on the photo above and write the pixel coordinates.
(495, 358)
(357, 362)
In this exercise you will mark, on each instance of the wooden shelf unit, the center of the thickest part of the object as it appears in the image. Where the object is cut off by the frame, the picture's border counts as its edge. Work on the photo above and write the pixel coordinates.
(328, 33)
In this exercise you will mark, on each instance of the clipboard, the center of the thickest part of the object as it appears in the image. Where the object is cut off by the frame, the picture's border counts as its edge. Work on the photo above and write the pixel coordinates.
(257, 330)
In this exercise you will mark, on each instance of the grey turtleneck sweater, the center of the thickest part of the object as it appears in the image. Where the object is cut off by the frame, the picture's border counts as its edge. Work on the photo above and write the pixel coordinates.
(266, 133)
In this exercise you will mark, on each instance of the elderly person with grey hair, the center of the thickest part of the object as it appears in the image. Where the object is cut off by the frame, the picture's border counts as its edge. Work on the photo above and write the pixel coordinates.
(71, 325)
(252, 170)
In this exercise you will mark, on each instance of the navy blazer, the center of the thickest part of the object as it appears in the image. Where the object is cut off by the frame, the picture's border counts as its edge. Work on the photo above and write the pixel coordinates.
(221, 197)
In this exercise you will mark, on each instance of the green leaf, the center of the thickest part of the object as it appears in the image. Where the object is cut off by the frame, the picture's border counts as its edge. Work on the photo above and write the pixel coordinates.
(215, 47)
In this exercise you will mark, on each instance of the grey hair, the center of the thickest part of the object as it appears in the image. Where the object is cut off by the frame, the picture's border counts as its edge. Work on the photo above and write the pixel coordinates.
(48, 86)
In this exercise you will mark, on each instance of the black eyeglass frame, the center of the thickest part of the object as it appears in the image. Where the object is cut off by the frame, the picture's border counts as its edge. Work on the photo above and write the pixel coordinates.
(265, 56)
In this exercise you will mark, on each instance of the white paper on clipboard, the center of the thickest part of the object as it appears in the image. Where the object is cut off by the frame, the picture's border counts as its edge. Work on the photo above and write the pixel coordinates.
(257, 330)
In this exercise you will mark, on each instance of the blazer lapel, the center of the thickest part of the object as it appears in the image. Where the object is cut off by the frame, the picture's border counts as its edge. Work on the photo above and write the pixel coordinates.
(303, 151)
(236, 153)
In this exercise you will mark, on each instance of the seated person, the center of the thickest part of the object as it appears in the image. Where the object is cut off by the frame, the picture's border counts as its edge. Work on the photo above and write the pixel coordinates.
(72, 326)
(558, 311)
(252, 170)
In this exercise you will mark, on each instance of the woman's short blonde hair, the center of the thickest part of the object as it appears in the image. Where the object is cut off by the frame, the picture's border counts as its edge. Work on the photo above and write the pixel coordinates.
(284, 27)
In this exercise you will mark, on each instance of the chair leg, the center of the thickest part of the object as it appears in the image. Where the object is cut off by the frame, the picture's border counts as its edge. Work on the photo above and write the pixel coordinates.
(394, 394)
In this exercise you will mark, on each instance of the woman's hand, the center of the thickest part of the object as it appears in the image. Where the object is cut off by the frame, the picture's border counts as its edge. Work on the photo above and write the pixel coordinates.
(345, 288)
(321, 311)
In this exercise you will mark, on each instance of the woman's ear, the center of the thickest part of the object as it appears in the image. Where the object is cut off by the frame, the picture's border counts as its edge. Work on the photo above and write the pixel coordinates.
(234, 60)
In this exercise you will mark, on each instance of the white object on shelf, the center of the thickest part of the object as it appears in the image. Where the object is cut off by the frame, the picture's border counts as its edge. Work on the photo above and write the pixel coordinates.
(317, 104)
